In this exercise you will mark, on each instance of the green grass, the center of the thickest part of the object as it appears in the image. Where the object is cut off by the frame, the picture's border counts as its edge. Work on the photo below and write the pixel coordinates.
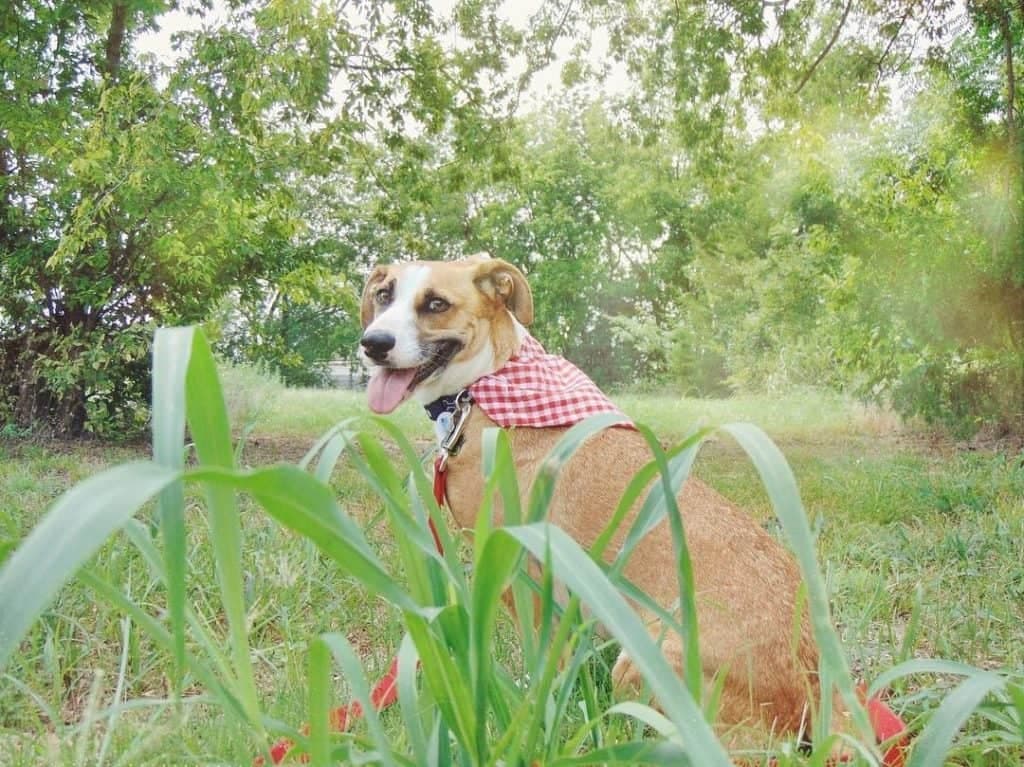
(920, 546)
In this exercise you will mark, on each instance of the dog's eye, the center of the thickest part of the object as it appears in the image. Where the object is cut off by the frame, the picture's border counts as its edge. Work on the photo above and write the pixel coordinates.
(382, 296)
(437, 305)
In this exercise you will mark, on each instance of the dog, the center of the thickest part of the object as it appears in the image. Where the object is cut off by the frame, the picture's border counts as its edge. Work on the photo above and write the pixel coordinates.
(433, 329)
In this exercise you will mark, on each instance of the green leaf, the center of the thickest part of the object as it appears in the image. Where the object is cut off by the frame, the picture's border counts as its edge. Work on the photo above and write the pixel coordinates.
(778, 480)
(319, 681)
(932, 745)
(71, 532)
(208, 421)
(692, 667)
(408, 699)
(172, 348)
(495, 565)
(446, 681)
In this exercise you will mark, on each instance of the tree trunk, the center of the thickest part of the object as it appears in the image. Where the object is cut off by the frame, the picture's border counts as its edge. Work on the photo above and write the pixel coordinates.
(111, 66)
(1011, 80)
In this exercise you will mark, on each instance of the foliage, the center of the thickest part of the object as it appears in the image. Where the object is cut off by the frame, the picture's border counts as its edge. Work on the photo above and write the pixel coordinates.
(723, 196)
(134, 193)
(819, 231)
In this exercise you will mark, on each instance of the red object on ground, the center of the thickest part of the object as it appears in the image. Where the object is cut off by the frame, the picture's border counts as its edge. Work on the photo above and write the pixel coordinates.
(383, 695)
(887, 725)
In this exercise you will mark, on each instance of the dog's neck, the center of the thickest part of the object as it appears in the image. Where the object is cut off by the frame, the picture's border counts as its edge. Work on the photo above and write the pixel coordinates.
(446, 403)
(443, 404)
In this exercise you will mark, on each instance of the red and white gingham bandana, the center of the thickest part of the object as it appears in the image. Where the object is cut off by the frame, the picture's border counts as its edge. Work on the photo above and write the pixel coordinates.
(535, 388)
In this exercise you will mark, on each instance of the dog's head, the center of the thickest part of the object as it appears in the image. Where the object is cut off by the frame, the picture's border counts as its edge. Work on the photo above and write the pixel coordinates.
(431, 328)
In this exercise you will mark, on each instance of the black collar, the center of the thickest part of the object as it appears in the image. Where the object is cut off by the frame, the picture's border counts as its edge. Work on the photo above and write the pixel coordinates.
(445, 404)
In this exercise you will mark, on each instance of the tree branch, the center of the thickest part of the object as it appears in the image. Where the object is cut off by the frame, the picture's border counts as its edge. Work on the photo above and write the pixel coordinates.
(825, 50)
(892, 41)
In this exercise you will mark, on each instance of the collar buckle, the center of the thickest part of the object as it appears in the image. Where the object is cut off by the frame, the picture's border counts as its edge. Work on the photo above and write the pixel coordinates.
(451, 443)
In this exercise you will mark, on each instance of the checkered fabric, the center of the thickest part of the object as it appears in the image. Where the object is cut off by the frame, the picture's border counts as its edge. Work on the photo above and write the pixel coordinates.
(535, 388)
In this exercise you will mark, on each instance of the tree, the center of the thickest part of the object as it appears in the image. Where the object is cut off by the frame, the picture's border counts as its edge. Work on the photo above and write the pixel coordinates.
(134, 194)
(825, 234)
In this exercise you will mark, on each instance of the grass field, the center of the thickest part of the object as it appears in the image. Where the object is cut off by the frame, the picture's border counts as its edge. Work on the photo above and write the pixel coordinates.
(920, 542)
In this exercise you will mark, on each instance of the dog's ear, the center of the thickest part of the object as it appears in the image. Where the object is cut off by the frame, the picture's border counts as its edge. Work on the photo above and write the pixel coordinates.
(504, 282)
(366, 308)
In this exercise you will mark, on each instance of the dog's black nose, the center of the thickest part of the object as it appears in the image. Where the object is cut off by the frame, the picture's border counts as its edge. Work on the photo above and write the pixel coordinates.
(377, 344)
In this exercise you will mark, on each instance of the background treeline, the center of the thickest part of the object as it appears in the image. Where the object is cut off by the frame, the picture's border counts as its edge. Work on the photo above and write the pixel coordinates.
(763, 195)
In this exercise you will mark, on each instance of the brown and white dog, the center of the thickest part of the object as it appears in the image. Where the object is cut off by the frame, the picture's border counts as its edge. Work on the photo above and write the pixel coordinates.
(431, 329)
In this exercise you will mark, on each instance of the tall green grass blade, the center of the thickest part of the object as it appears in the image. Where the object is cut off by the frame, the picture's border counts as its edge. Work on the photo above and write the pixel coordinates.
(778, 480)
(319, 682)
(375, 467)
(500, 470)
(692, 667)
(932, 745)
(573, 567)
(591, 710)
(419, 497)
(1015, 692)
(655, 506)
(343, 653)
(172, 349)
(494, 567)
(208, 421)
(329, 457)
(448, 683)
(342, 427)
(73, 530)
(408, 699)
(550, 660)
(424, 486)
(388, 482)
(404, 507)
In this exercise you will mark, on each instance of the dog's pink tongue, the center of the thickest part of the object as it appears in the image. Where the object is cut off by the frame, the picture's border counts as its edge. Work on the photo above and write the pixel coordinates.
(388, 388)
